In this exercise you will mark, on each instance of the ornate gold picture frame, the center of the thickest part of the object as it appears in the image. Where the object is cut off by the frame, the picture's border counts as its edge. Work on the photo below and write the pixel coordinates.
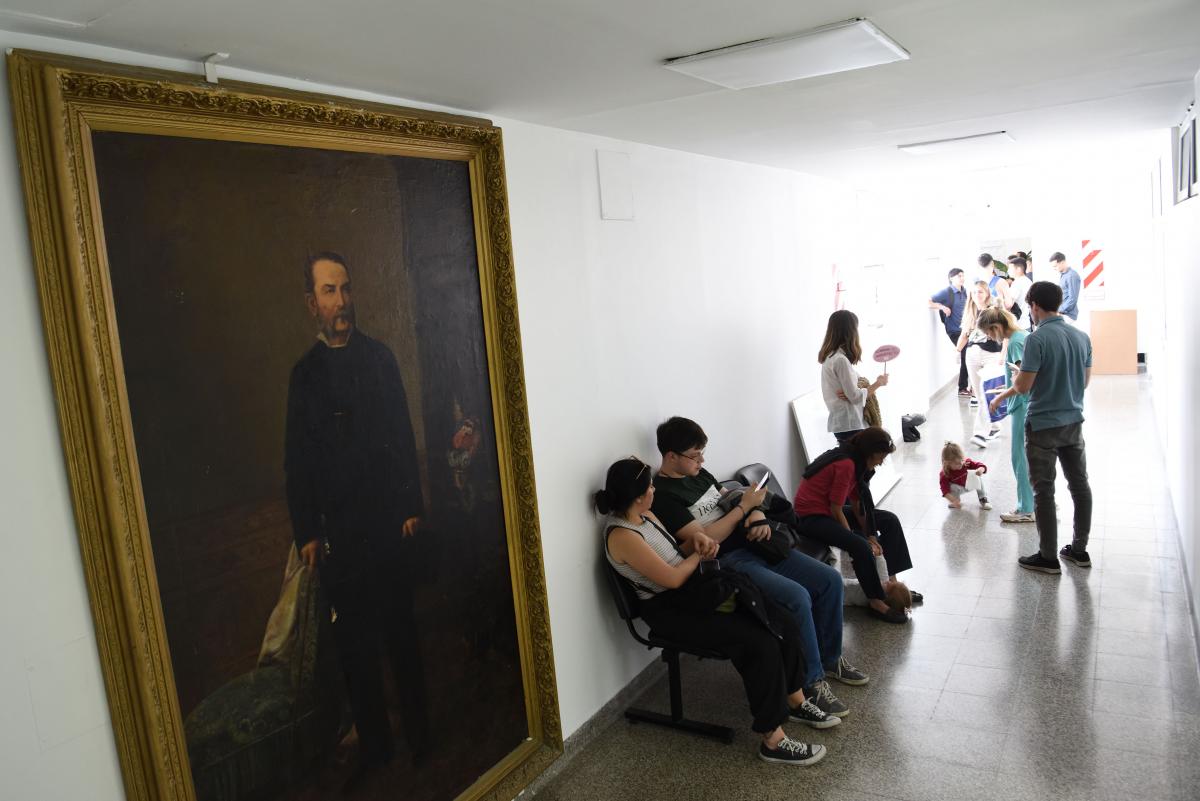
(238, 482)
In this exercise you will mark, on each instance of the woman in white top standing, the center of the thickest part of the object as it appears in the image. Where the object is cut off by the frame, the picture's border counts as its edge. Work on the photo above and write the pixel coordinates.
(845, 400)
(981, 353)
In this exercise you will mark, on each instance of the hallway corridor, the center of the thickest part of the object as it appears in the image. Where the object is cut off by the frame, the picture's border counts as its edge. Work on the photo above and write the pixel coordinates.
(1006, 684)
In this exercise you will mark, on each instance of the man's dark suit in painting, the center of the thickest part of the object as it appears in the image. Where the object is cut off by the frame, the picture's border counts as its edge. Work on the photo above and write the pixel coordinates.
(352, 482)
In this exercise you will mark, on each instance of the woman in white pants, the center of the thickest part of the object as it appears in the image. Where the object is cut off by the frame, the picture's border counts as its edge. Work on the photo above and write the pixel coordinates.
(981, 353)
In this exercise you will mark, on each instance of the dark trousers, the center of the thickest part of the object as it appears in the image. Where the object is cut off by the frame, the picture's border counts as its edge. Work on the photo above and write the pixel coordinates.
(824, 528)
(771, 666)
(963, 383)
(1042, 448)
(375, 623)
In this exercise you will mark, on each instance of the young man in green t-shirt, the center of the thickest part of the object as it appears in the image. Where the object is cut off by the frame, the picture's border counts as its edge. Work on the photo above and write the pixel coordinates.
(686, 501)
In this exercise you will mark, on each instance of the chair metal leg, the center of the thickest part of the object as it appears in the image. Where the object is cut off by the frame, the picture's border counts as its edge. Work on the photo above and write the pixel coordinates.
(676, 720)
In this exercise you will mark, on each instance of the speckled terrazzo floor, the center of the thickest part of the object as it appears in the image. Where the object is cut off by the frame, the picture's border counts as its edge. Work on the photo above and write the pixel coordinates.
(1006, 685)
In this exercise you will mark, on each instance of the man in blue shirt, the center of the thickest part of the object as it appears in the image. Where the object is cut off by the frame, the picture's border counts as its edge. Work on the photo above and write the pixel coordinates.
(1055, 370)
(950, 302)
(1069, 281)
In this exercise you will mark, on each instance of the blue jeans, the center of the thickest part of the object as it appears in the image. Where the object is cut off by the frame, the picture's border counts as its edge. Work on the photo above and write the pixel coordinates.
(812, 591)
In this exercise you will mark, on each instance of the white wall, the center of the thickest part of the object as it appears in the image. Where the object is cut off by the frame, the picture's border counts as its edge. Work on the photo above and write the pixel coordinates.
(1175, 364)
(55, 740)
(710, 304)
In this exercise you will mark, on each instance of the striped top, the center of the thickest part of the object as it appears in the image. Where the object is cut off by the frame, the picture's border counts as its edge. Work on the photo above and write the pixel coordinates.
(659, 541)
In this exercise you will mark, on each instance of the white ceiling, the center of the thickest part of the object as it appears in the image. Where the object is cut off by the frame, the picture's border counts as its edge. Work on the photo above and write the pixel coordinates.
(1051, 72)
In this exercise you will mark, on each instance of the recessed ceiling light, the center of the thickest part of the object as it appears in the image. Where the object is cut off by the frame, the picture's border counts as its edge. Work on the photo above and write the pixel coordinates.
(957, 144)
(842, 46)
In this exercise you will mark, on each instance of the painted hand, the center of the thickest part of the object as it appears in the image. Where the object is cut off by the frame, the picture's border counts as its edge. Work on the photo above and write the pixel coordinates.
(308, 553)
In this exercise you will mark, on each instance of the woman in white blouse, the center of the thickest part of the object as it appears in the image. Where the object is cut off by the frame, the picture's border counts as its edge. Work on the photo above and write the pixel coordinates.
(845, 400)
(982, 354)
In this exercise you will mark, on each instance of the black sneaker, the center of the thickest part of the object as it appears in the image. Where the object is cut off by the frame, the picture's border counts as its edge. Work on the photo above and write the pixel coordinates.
(790, 752)
(1039, 563)
(812, 715)
(821, 694)
(1080, 558)
(847, 673)
(918, 598)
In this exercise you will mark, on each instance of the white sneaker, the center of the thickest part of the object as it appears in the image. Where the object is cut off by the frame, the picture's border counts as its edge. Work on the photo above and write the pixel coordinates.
(979, 441)
(1017, 517)
(984, 505)
(995, 432)
(973, 402)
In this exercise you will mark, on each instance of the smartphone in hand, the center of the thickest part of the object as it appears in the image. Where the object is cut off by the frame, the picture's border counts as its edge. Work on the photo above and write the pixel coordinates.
(762, 482)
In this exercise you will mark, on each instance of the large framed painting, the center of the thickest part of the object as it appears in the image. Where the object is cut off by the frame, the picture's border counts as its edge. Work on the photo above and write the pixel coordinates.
(283, 334)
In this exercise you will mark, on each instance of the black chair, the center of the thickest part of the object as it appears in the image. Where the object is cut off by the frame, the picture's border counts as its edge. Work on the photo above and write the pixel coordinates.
(749, 476)
(628, 605)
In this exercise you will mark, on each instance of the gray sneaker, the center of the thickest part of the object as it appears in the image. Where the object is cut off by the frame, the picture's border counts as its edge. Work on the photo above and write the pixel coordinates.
(847, 673)
(791, 752)
(822, 695)
(812, 715)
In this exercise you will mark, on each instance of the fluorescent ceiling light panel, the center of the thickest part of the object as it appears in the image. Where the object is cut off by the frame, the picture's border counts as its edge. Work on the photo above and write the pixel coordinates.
(958, 144)
(842, 46)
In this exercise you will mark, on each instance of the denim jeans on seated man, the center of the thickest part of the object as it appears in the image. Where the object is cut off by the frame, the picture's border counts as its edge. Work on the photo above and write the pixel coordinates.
(812, 591)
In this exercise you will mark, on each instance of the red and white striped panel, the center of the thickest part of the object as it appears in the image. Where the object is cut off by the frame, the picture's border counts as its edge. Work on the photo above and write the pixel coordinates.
(1093, 266)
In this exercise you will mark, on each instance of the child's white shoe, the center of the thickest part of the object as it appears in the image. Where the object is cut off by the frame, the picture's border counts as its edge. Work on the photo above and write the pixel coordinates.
(984, 505)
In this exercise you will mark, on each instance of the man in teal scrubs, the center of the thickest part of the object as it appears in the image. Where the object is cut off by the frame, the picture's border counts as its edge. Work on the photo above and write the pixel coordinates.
(1054, 373)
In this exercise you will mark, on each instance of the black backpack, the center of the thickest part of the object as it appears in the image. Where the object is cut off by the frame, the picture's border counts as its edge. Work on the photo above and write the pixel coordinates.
(908, 426)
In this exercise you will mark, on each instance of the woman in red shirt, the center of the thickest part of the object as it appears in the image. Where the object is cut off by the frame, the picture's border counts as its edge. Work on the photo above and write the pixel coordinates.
(837, 484)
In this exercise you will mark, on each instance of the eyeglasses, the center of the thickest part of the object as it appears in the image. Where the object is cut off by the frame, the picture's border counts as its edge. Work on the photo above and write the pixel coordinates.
(698, 458)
